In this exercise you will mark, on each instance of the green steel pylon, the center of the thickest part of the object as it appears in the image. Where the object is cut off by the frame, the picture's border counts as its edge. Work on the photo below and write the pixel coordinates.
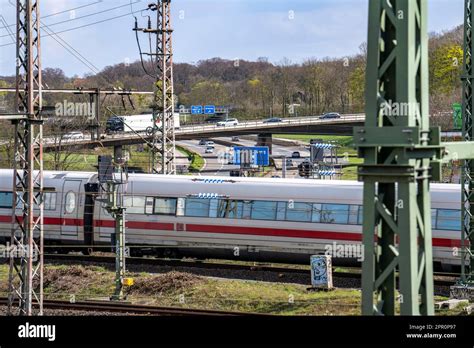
(467, 206)
(397, 145)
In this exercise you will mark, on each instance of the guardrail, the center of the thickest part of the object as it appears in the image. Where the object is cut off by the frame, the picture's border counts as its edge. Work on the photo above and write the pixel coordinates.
(260, 124)
(213, 128)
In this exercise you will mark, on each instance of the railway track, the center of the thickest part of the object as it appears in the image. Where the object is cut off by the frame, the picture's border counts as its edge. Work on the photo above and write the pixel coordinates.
(128, 308)
(441, 279)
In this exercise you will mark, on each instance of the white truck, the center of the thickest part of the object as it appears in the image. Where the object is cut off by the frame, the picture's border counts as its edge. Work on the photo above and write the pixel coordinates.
(136, 123)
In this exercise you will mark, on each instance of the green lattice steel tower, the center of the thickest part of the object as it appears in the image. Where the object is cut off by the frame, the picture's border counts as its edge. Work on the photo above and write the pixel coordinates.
(467, 208)
(397, 145)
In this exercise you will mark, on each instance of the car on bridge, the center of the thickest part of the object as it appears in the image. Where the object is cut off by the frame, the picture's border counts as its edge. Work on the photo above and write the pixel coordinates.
(229, 122)
(73, 136)
(330, 115)
(296, 154)
(273, 120)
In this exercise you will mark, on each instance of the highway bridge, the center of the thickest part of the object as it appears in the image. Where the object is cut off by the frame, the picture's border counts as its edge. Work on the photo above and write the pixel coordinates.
(299, 125)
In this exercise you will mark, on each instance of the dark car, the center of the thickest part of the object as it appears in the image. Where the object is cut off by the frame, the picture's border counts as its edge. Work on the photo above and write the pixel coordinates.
(114, 124)
(331, 115)
(273, 120)
(296, 154)
(203, 142)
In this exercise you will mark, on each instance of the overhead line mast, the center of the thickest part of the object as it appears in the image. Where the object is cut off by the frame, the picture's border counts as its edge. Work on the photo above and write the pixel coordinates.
(467, 178)
(25, 281)
(162, 157)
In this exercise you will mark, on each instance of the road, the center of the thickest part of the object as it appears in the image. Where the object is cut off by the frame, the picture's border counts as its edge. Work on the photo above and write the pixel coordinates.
(216, 162)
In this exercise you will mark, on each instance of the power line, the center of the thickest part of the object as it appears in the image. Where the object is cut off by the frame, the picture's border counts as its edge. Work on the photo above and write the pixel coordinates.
(6, 27)
(77, 18)
(86, 25)
(57, 13)
(70, 49)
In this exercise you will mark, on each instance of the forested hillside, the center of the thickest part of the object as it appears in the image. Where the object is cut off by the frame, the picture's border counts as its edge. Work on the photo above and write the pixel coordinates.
(261, 88)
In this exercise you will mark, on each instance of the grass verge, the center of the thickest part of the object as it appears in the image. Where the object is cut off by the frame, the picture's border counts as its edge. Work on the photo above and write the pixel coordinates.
(179, 289)
(197, 162)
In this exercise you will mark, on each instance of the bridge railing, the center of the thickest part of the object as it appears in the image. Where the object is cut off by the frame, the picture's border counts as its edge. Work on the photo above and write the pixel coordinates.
(257, 125)
(261, 124)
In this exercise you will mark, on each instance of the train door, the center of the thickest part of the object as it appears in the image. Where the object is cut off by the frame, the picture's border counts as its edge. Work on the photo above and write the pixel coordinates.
(70, 207)
(91, 191)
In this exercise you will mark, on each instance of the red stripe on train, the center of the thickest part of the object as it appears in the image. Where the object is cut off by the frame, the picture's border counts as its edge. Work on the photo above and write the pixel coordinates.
(49, 221)
(256, 231)
(137, 224)
(273, 232)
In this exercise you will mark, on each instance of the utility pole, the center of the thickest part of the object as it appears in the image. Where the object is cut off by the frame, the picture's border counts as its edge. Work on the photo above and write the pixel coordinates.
(467, 176)
(163, 108)
(25, 280)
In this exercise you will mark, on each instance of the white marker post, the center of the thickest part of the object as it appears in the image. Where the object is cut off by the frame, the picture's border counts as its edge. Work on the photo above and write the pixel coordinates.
(321, 272)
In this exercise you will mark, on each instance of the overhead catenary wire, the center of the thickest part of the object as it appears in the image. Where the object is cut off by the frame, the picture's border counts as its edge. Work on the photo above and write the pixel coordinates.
(6, 26)
(70, 49)
(10, 33)
(84, 26)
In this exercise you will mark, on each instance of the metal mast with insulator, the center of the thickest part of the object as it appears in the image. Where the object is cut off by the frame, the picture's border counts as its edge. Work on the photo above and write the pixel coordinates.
(164, 138)
(26, 261)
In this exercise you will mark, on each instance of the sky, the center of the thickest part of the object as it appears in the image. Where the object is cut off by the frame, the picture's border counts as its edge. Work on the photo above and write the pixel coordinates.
(230, 29)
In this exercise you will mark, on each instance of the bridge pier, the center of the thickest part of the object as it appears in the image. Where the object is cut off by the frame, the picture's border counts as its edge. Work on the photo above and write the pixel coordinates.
(265, 139)
(118, 154)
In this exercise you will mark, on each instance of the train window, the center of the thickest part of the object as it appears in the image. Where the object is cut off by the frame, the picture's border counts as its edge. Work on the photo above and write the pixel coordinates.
(165, 206)
(299, 212)
(449, 219)
(149, 205)
(281, 210)
(353, 214)
(263, 210)
(180, 208)
(246, 209)
(134, 204)
(197, 207)
(335, 213)
(361, 215)
(433, 218)
(49, 199)
(6, 199)
(213, 208)
(70, 202)
(316, 213)
(228, 208)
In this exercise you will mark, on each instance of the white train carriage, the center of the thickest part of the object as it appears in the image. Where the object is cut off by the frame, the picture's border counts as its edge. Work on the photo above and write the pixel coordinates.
(65, 200)
(248, 218)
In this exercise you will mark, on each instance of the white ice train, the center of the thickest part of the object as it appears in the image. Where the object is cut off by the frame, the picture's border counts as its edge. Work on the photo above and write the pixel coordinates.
(208, 217)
